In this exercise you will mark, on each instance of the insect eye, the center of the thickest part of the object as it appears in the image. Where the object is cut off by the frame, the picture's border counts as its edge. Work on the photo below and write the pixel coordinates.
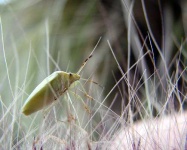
(70, 75)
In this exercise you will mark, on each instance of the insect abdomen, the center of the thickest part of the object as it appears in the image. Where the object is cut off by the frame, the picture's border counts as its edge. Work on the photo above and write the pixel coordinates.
(44, 94)
(38, 101)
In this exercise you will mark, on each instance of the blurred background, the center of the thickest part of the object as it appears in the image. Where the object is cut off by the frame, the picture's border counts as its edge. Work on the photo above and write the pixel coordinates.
(41, 36)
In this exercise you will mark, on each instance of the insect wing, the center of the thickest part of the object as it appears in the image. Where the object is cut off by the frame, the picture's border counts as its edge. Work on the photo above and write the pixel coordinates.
(42, 95)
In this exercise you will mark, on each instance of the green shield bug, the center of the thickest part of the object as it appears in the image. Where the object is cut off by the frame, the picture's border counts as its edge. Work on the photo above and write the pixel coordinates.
(50, 89)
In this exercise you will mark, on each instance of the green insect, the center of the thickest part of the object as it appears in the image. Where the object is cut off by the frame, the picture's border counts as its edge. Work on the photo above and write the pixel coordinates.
(50, 89)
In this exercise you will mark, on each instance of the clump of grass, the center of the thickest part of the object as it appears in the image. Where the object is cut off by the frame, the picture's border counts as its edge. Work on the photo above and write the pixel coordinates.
(143, 103)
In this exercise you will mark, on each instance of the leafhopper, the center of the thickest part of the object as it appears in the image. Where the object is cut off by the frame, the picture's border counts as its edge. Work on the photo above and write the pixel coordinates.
(50, 89)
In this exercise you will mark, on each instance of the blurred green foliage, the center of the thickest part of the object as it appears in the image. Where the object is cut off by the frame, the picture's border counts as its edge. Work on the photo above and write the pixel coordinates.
(43, 36)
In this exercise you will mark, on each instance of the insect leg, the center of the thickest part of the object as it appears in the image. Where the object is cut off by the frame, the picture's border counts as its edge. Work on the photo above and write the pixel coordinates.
(84, 104)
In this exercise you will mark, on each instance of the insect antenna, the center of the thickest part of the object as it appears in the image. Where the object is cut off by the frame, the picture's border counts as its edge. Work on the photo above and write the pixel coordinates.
(90, 56)
(92, 81)
(84, 63)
